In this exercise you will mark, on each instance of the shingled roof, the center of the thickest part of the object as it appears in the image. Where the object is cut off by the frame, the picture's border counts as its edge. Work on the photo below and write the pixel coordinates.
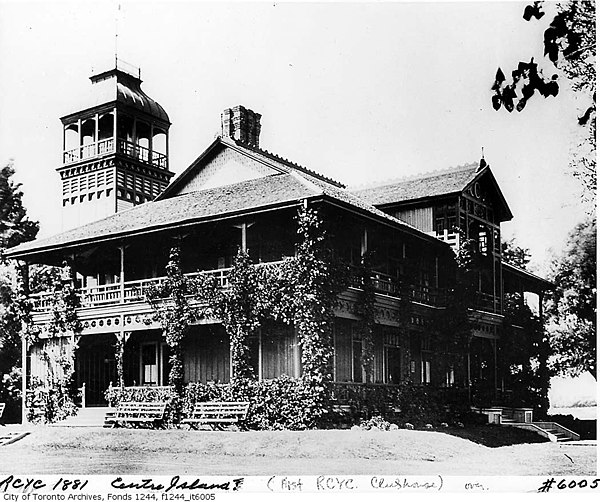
(233, 199)
(279, 164)
(433, 184)
(277, 190)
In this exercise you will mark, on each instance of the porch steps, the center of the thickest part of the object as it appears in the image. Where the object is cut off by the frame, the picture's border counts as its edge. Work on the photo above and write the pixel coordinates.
(559, 432)
(86, 417)
(522, 419)
(550, 430)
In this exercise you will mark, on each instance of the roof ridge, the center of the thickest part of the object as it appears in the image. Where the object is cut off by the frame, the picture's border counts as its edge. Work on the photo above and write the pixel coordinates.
(416, 176)
(288, 162)
(298, 176)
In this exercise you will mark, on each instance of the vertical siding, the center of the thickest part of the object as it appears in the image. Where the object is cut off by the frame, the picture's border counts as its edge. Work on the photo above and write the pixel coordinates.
(55, 348)
(278, 351)
(206, 355)
(422, 218)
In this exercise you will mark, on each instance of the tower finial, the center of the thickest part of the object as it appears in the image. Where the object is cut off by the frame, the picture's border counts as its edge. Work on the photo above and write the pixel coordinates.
(482, 162)
(117, 34)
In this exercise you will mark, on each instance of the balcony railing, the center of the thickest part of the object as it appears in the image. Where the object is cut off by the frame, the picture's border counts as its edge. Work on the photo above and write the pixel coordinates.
(125, 147)
(386, 285)
(131, 291)
(485, 301)
(135, 291)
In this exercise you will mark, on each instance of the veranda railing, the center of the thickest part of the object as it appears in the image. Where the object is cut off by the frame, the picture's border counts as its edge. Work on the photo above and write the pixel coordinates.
(130, 291)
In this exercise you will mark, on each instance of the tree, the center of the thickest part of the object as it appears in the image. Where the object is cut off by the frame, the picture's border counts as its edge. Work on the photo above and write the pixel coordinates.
(515, 255)
(570, 44)
(15, 227)
(571, 307)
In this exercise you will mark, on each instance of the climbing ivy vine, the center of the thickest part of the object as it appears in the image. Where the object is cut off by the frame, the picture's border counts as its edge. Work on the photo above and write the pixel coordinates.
(240, 312)
(365, 310)
(301, 291)
(315, 297)
(175, 314)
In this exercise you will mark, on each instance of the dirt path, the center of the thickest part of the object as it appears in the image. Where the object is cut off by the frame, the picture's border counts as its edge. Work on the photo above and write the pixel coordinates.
(108, 451)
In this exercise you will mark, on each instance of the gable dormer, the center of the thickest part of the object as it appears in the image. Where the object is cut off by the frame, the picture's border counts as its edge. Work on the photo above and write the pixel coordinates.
(445, 203)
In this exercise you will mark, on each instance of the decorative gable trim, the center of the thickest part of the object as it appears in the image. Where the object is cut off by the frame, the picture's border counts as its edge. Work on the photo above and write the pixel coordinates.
(203, 160)
(506, 213)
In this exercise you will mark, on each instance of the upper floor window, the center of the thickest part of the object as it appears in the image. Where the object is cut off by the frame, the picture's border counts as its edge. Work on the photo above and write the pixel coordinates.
(483, 242)
(445, 218)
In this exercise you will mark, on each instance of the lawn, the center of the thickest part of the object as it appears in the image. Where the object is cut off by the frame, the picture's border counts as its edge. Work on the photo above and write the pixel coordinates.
(64, 450)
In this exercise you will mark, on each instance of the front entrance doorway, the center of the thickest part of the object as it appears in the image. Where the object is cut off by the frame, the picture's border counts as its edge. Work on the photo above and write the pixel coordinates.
(95, 366)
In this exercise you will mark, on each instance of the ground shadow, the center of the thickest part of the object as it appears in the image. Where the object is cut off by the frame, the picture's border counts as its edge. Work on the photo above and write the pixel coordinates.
(494, 436)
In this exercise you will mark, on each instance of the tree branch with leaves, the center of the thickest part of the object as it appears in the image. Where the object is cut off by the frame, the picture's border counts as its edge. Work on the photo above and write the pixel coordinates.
(570, 45)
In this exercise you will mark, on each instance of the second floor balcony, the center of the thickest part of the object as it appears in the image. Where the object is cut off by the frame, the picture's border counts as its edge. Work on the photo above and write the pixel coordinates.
(133, 291)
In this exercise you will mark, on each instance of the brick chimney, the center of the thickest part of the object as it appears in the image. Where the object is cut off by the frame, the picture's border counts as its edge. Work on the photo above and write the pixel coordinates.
(241, 124)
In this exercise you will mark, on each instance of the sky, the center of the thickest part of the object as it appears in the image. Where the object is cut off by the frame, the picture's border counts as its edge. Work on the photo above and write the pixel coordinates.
(361, 92)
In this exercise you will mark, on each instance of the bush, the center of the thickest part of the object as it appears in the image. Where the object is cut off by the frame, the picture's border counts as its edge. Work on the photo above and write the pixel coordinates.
(278, 404)
(403, 403)
(49, 404)
(281, 403)
(10, 394)
(378, 423)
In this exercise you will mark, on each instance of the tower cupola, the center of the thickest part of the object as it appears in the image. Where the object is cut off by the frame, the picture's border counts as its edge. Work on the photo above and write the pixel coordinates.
(115, 148)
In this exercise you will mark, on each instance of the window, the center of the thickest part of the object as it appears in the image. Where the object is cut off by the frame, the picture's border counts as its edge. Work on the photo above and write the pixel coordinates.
(357, 369)
(483, 241)
(439, 226)
(426, 371)
(393, 366)
(149, 364)
(154, 363)
(450, 376)
(451, 224)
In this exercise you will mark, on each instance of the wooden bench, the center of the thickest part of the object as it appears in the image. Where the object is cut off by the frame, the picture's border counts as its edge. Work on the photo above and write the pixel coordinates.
(217, 413)
(151, 414)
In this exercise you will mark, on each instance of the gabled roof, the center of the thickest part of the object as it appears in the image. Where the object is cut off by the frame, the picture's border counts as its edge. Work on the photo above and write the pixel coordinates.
(268, 192)
(279, 164)
(448, 181)
(442, 183)
(177, 211)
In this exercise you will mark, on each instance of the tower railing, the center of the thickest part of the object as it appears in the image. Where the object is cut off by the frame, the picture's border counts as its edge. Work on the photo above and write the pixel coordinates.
(107, 146)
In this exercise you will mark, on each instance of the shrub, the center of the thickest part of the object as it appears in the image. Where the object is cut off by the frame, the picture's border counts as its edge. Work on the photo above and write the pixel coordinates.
(49, 404)
(416, 404)
(278, 404)
(10, 394)
(281, 403)
(379, 423)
